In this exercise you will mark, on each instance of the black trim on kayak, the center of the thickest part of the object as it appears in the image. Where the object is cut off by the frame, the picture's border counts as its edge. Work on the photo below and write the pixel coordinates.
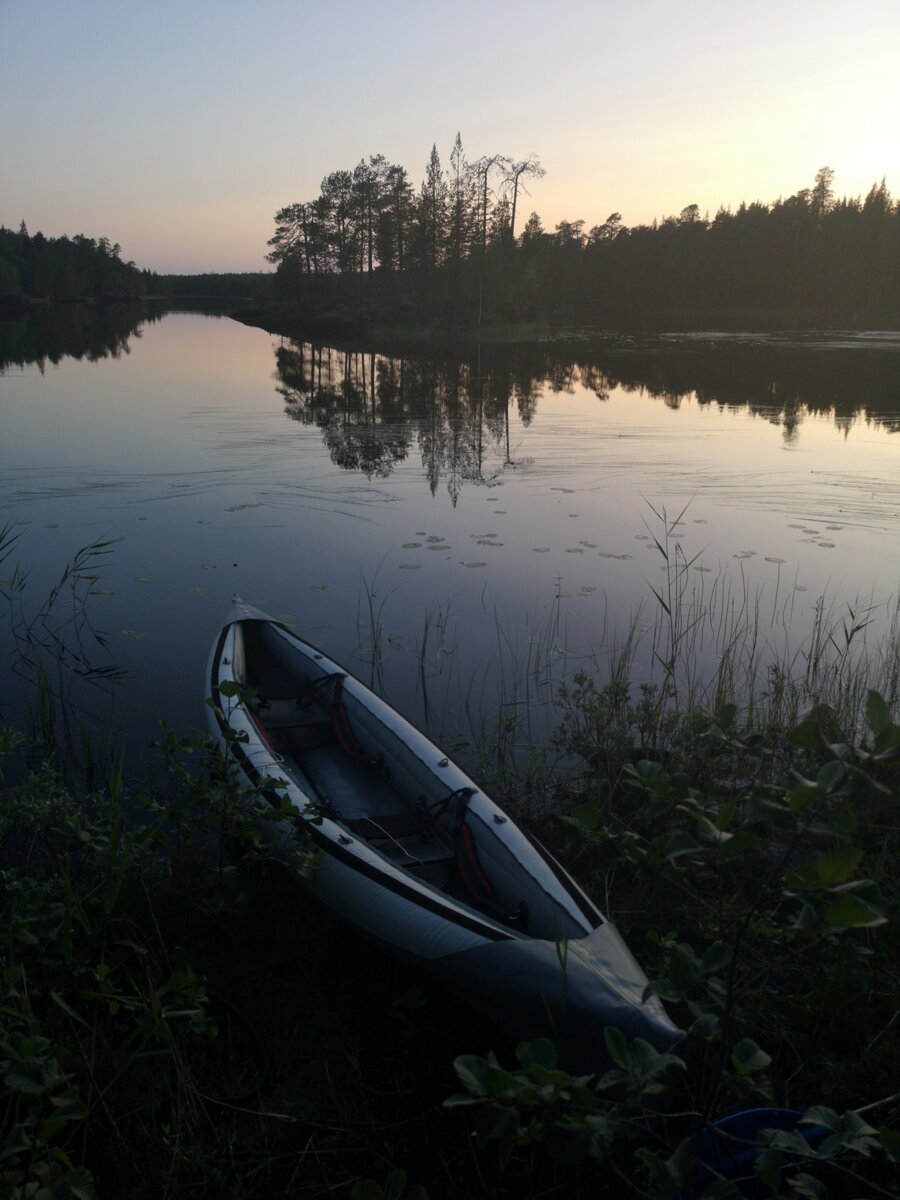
(341, 853)
(584, 902)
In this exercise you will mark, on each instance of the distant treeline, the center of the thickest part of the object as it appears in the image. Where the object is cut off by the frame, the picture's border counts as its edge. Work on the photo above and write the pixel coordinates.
(83, 268)
(372, 243)
(64, 268)
(246, 285)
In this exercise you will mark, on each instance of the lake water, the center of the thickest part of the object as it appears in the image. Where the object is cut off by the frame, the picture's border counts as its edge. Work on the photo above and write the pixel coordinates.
(462, 531)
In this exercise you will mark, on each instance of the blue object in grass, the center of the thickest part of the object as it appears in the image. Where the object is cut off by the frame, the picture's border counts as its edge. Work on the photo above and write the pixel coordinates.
(729, 1146)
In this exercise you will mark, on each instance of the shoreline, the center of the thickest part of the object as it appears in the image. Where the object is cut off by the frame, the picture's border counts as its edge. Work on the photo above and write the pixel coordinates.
(358, 332)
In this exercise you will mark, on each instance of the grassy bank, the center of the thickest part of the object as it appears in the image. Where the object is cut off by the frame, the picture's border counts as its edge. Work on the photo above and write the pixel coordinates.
(179, 1020)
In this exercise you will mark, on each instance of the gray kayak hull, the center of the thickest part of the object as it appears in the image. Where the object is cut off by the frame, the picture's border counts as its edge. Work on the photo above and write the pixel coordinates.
(562, 971)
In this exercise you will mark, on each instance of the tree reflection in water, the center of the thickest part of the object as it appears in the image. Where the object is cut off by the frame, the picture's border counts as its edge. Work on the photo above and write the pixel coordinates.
(455, 408)
(91, 332)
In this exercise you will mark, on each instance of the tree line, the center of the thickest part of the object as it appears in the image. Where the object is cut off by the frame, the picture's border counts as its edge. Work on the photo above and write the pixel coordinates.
(84, 268)
(457, 248)
(64, 268)
(212, 285)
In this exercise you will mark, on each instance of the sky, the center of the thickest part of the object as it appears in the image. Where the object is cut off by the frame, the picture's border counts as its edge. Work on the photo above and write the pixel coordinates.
(178, 129)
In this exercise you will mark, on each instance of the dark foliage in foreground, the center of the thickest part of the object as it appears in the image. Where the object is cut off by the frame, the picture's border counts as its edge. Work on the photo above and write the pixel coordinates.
(179, 1021)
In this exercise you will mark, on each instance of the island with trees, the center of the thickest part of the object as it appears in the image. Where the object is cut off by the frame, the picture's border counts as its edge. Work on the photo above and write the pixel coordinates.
(372, 251)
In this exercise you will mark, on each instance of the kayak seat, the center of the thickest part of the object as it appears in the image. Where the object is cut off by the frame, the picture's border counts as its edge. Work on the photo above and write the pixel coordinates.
(294, 740)
(402, 838)
(286, 712)
(292, 726)
(349, 788)
(390, 825)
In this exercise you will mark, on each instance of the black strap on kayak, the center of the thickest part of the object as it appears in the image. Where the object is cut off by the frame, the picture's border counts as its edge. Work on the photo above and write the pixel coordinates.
(471, 872)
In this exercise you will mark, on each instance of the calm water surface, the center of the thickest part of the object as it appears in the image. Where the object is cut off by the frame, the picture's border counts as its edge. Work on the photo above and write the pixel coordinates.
(458, 531)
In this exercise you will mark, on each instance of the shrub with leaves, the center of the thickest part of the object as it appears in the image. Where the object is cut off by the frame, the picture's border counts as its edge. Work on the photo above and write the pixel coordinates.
(767, 939)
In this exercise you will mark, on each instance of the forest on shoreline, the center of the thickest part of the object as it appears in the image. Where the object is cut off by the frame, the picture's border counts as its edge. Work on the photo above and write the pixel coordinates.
(371, 247)
(38, 268)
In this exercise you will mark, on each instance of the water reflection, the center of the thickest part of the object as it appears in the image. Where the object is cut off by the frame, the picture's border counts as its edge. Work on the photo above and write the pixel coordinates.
(517, 501)
(455, 410)
(373, 409)
(82, 331)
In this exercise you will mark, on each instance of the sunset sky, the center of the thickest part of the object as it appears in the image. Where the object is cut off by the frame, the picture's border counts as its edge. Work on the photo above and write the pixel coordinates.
(177, 128)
